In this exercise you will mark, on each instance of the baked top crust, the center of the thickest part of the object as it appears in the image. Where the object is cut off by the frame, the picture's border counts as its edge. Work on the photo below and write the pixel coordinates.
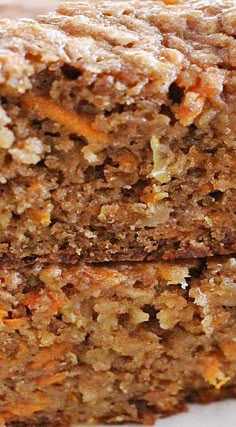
(153, 38)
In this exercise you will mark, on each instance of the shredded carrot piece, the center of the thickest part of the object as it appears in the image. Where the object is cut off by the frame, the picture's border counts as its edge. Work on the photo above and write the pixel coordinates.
(206, 188)
(5, 415)
(24, 409)
(15, 323)
(50, 379)
(190, 108)
(212, 372)
(152, 194)
(193, 102)
(148, 197)
(127, 161)
(31, 299)
(35, 186)
(48, 108)
(50, 366)
(41, 216)
(229, 350)
(55, 301)
(47, 354)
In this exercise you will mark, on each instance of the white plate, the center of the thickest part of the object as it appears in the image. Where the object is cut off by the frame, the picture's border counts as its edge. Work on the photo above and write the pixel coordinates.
(220, 414)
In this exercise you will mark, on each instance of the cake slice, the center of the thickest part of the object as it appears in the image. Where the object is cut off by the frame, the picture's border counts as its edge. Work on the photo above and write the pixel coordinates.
(117, 132)
(115, 343)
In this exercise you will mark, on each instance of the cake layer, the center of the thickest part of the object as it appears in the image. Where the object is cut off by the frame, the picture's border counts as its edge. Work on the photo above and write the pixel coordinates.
(118, 132)
(118, 343)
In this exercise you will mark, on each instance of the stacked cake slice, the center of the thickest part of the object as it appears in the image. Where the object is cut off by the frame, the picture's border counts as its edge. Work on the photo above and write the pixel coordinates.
(117, 211)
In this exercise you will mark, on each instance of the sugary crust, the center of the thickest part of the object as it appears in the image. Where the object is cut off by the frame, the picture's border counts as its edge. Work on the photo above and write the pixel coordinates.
(119, 27)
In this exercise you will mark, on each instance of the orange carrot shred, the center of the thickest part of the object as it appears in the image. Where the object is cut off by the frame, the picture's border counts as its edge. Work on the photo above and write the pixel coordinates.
(5, 415)
(55, 301)
(15, 323)
(212, 372)
(229, 350)
(50, 379)
(48, 108)
(24, 409)
(41, 216)
(31, 299)
(45, 355)
(190, 108)
(35, 186)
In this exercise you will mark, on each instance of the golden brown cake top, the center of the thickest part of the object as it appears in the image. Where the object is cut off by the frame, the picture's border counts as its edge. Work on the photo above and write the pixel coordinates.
(125, 39)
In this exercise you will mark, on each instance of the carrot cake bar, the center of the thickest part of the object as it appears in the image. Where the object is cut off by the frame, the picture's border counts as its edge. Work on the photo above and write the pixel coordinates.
(115, 343)
(117, 132)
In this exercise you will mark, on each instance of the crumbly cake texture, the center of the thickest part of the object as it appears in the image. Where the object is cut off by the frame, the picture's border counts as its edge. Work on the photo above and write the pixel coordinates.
(115, 342)
(118, 132)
